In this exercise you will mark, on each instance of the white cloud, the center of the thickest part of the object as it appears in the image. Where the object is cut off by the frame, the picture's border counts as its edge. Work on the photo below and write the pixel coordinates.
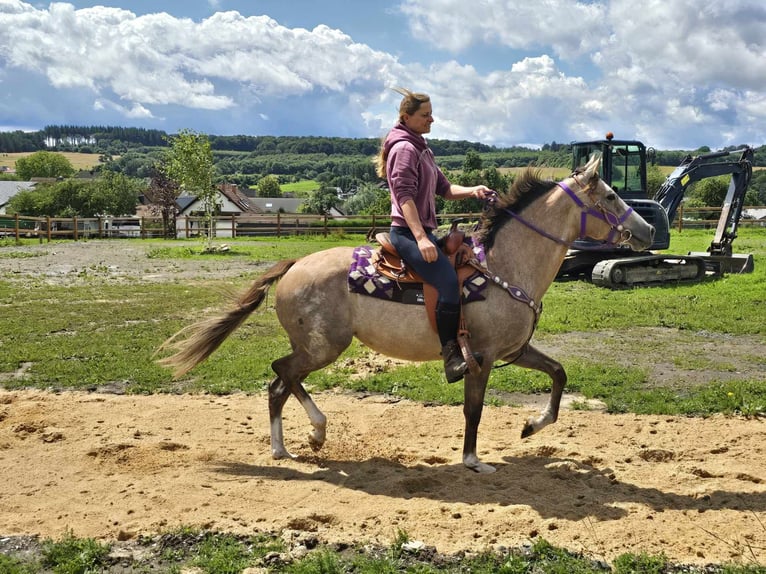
(676, 73)
(158, 59)
(570, 28)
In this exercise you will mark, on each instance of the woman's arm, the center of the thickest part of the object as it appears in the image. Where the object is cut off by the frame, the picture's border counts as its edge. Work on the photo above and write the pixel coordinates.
(425, 245)
(462, 192)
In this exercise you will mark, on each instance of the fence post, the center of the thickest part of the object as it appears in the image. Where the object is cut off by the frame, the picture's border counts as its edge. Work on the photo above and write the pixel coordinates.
(325, 225)
(100, 227)
(74, 224)
(48, 225)
(233, 226)
(279, 225)
(16, 227)
(680, 218)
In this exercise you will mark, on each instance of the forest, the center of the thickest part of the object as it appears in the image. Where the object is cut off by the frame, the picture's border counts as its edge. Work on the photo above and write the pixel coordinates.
(335, 164)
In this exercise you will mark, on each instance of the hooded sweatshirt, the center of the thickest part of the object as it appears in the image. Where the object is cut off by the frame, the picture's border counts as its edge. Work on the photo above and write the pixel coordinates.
(412, 174)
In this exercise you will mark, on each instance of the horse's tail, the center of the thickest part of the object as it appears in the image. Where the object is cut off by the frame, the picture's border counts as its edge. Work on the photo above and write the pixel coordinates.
(195, 343)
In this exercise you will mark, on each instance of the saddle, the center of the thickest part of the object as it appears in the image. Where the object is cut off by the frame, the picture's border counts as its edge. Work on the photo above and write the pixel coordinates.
(389, 264)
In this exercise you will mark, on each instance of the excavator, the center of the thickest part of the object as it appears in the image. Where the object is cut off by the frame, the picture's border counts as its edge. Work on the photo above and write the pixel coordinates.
(623, 167)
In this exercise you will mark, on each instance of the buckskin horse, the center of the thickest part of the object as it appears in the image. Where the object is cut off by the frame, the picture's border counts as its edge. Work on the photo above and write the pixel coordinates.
(525, 234)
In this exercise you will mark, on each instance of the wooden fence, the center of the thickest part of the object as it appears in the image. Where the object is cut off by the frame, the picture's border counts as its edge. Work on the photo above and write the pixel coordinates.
(266, 225)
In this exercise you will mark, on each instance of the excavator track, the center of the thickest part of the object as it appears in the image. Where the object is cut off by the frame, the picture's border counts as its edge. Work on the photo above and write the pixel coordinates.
(649, 270)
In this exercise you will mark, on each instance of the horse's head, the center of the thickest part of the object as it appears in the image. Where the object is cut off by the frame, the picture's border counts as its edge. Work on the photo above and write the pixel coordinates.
(605, 216)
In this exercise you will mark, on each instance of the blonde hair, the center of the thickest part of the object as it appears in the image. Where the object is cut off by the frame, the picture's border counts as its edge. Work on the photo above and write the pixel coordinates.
(411, 102)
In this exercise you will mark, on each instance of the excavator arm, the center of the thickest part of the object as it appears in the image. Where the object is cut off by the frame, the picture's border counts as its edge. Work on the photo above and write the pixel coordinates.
(696, 168)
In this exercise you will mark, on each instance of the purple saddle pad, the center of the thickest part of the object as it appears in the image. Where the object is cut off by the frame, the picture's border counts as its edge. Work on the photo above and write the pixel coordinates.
(364, 279)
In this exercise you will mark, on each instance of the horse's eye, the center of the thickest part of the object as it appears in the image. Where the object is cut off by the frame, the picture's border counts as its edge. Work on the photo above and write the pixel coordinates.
(611, 196)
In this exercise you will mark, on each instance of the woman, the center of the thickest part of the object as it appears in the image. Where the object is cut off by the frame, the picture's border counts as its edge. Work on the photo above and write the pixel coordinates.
(414, 180)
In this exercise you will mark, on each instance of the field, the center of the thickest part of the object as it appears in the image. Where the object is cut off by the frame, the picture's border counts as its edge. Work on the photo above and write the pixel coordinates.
(659, 449)
(84, 161)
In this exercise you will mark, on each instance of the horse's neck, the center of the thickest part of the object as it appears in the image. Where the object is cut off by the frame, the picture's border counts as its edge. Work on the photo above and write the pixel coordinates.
(525, 257)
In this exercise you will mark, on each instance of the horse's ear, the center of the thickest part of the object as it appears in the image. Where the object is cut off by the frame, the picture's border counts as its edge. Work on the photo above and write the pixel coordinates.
(591, 168)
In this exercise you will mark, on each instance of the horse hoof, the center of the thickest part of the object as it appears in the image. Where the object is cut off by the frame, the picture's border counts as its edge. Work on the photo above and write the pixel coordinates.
(315, 443)
(278, 454)
(528, 430)
(477, 466)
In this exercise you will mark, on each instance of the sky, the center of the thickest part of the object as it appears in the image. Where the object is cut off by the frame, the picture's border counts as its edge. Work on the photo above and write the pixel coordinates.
(675, 74)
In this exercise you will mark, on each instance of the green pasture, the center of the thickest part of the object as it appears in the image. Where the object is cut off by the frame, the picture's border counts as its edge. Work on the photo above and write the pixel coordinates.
(98, 334)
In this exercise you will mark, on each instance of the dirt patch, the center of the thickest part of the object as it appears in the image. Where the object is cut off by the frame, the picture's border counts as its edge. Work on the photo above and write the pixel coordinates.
(117, 467)
(124, 466)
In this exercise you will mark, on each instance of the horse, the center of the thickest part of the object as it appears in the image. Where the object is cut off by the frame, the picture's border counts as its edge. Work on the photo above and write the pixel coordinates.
(525, 233)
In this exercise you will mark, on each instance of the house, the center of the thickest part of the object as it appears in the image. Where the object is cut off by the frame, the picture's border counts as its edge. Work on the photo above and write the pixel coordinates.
(230, 202)
(10, 188)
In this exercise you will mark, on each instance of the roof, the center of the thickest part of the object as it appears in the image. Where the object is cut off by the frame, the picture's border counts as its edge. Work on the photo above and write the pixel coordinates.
(232, 193)
(276, 204)
(10, 188)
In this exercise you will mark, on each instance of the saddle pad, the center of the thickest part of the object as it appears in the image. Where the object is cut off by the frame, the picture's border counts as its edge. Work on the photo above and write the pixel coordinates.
(363, 279)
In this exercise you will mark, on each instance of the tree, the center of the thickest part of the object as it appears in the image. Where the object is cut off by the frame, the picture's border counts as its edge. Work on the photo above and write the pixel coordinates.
(113, 194)
(269, 187)
(162, 194)
(190, 163)
(472, 161)
(321, 201)
(710, 192)
(654, 179)
(368, 200)
(44, 164)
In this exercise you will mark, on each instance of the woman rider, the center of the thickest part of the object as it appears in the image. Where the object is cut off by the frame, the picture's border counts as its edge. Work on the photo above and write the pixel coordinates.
(414, 180)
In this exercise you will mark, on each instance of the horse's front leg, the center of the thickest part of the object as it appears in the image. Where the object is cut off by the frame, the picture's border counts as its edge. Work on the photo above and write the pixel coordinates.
(534, 359)
(475, 388)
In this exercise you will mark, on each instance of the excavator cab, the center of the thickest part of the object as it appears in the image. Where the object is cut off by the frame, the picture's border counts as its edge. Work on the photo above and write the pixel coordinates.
(623, 164)
(623, 167)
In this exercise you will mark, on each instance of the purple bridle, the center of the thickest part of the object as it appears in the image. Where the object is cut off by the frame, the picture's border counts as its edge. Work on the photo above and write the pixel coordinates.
(596, 210)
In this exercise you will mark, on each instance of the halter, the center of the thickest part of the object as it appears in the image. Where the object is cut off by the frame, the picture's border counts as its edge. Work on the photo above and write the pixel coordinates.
(597, 210)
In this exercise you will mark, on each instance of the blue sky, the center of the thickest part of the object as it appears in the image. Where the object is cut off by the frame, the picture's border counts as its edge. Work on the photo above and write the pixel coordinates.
(677, 74)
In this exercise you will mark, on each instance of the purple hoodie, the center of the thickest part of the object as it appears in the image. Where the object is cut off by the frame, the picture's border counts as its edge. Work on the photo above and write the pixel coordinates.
(413, 174)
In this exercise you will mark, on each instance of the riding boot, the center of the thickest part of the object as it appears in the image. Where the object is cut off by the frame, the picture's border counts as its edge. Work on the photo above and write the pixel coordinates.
(447, 322)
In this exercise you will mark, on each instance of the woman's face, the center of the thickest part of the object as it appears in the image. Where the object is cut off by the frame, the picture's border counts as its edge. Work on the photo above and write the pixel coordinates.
(420, 122)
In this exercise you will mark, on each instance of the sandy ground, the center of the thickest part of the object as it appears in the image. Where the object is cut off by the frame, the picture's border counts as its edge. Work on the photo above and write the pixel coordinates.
(114, 467)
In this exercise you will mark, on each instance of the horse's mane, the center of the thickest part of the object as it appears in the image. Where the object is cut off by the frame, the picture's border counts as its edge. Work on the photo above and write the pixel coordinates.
(526, 188)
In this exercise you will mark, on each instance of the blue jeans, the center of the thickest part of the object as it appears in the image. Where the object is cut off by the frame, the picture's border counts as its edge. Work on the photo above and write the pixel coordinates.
(440, 273)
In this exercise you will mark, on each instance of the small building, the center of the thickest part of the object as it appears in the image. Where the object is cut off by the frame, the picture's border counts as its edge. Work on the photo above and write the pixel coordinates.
(10, 188)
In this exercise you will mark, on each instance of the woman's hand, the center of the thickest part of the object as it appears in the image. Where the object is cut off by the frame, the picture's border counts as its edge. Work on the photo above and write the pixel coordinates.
(427, 250)
(480, 192)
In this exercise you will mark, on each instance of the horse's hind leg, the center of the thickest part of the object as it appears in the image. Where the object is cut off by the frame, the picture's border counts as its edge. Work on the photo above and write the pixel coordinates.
(534, 359)
(291, 370)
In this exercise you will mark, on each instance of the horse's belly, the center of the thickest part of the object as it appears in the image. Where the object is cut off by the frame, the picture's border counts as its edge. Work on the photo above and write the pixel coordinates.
(395, 329)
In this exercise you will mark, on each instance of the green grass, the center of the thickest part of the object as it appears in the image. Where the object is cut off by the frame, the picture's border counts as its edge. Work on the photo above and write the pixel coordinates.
(221, 553)
(95, 334)
(71, 555)
(300, 188)
(256, 249)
